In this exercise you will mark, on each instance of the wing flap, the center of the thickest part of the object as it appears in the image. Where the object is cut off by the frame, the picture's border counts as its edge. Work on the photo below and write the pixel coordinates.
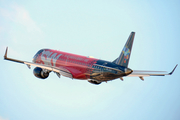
(147, 73)
(141, 73)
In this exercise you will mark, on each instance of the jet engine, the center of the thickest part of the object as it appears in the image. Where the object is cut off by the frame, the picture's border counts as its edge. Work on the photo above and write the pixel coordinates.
(94, 82)
(38, 72)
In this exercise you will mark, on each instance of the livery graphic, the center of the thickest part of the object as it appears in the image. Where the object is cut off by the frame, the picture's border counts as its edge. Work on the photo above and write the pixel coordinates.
(126, 53)
(49, 57)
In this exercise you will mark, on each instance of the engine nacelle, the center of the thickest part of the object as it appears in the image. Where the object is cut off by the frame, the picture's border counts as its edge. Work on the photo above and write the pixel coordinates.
(94, 82)
(38, 72)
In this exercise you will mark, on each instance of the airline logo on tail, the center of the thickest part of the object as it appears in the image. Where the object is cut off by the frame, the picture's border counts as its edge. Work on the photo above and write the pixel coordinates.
(124, 57)
(126, 53)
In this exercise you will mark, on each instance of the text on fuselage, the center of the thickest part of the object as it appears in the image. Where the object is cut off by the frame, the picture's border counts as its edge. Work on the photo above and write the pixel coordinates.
(49, 57)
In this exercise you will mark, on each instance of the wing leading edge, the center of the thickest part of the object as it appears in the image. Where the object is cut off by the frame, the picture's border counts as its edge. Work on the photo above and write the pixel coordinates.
(143, 73)
(61, 71)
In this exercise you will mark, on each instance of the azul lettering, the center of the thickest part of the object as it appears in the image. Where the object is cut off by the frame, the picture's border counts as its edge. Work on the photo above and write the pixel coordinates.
(49, 58)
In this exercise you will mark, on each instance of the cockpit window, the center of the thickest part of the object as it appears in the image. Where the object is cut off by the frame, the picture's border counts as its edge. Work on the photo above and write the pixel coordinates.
(35, 56)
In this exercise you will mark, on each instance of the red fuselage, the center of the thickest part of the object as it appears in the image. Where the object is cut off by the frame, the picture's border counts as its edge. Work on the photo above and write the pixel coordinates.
(81, 67)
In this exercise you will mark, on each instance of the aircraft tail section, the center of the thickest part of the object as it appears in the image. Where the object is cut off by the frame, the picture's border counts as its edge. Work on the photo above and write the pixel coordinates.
(124, 57)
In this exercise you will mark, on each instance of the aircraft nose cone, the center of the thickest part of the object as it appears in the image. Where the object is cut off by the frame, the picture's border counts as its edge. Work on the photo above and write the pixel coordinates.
(128, 71)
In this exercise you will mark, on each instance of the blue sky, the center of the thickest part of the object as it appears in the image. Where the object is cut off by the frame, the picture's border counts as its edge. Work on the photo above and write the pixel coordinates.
(96, 28)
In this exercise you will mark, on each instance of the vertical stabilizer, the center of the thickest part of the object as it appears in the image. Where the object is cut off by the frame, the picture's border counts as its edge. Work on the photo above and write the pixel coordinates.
(124, 57)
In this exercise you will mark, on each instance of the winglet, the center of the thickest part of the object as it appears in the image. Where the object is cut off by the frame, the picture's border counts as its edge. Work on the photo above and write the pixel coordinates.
(5, 55)
(14, 60)
(173, 70)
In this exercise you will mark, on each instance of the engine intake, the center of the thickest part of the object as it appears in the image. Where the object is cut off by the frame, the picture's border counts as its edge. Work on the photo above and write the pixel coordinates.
(39, 73)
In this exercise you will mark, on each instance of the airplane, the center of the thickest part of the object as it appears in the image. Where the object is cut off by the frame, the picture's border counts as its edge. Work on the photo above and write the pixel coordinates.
(80, 67)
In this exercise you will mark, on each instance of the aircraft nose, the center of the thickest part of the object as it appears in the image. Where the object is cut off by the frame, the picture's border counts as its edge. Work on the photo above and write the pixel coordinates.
(128, 71)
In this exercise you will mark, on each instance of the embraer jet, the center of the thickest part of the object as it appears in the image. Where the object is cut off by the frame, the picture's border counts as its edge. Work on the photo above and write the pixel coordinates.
(80, 67)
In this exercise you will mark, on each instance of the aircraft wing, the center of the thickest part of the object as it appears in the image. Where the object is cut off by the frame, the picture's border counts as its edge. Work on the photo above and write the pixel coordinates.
(57, 70)
(143, 73)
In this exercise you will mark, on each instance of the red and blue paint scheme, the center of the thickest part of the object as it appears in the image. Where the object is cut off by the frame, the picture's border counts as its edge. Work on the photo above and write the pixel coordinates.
(85, 68)
(80, 67)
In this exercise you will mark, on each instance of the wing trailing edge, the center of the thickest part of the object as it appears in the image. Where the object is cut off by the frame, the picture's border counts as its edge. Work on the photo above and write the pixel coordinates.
(142, 73)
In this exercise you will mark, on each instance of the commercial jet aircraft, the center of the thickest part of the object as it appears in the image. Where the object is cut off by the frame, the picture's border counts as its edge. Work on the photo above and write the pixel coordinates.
(86, 68)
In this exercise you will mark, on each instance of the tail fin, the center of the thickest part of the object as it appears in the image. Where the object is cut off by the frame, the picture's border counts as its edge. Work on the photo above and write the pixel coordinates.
(124, 57)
